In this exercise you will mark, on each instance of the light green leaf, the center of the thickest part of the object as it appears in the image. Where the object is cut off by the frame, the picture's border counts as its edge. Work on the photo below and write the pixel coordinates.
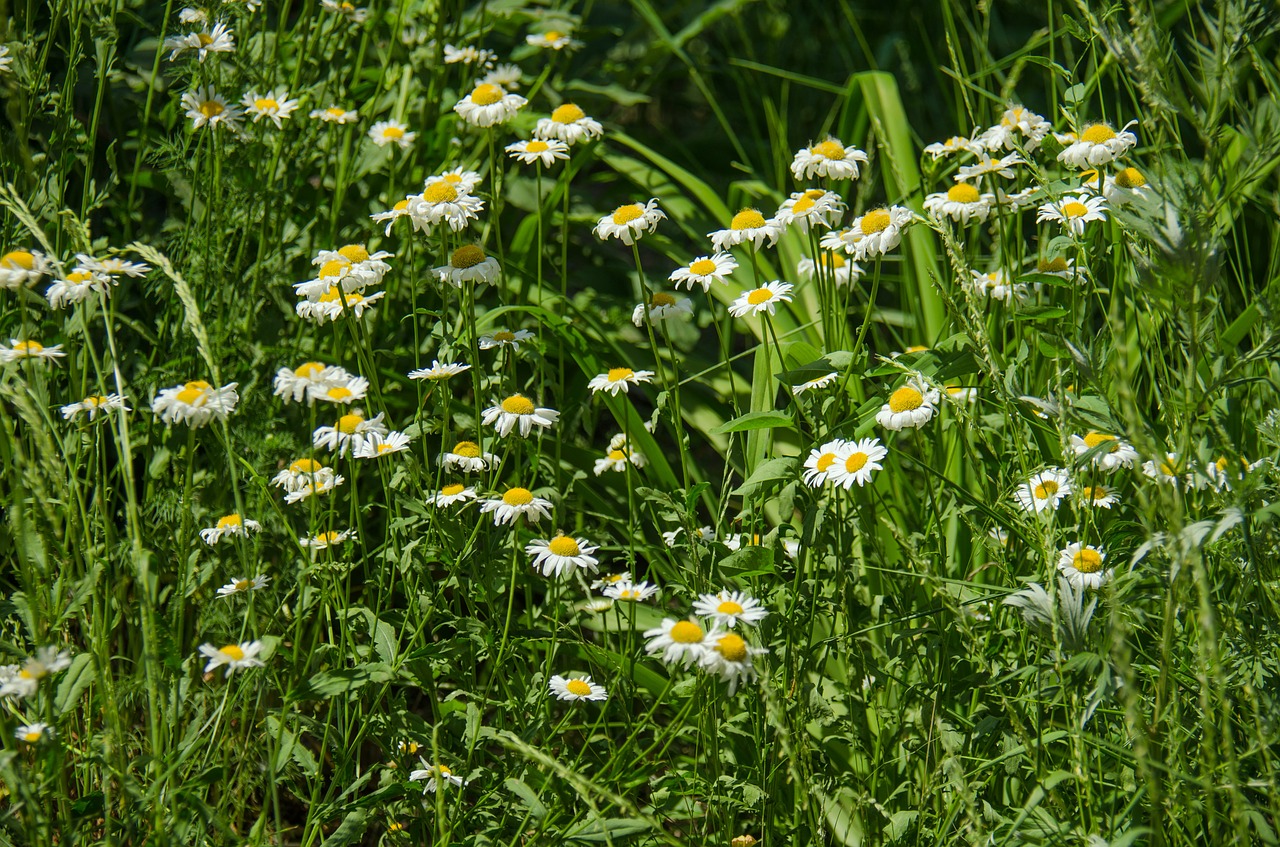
(753, 420)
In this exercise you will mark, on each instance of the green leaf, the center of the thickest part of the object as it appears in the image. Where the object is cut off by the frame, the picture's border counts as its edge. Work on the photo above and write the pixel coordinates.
(1041, 313)
(615, 92)
(832, 362)
(328, 684)
(526, 795)
(609, 829)
(349, 831)
(774, 470)
(753, 420)
(78, 677)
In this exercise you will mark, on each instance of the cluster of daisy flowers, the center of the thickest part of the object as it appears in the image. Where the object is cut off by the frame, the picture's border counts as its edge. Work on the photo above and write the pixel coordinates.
(342, 284)
(712, 641)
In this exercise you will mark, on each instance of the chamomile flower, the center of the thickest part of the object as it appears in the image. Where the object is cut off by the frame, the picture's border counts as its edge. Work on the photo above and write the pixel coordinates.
(6, 61)
(299, 474)
(612, 579)
(814, 384)
(763, 299)
(1102, 496)
(348, 431)
(830, 159)
(193, 16)
(444, 201)
(662, 307)
(1127, 186)
(995, 285)
(229, 525)
(913, 405)
(961, 203)
(1018, 127)
(960, 394)
(518, 411)
(220, 39)
(19, 350)
(730, 608)
(392, 132)
(436, 776)
(619, 379)
(33, 733)
(1169, 470)
(568, 123)
(454, 492)
(1106, 451)
(1044, 490)
(351, 12)
(619, 454)
(703, 533)
(25, 681)
(468, 264)
(243, 585)
(76, 286)
(631, 592)
(1073, 212)
(489, 105)
(553, 40)
(467, 457)
(233, 657)
(679, 641)
(274, 104)
(508, 76)
(335, 115)
(335, 303)
(704, 270)
(206, 107)
(629, 223)
(576, 688)
(814, 207)
(326, 540)
(820, 466)
(513, 504)
(113, 266)
(749, 225)
(1057, 266)
(953, 145)
(320, 482)
(857, 462)
(463, 180)
(1002, 167)
(562, 555)
(832, 264)
(730, 657)
(342, 389)
(19, 268)
(468, 55)
(439, 371)
(1082, 564)
(195, 403)
(399, 210)
(505, 338)
(296, 384)
(877, 232)
(1098, 144)
(375, 446)
(544, 151)
(94, 404)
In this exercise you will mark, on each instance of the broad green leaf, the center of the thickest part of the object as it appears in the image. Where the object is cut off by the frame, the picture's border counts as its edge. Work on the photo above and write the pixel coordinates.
(77, 678)
(526, 795)
(350, 831)
(754, 420)
(328, 684)
(774, 470)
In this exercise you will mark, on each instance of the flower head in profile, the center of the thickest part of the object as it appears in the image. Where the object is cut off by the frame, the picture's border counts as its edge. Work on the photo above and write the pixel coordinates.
(220, 39)
(1019, 127)
(1099, 496)
(704, 270)
(995, 285)
(335, 115)
(33, 733)
(335, 303)
(568, 123)
(468, 264)
(489, 105)
(519, 412)
(679, 641)
(515, 503)
(1098, 144)
(810, 208)
(763, 299)
(630, 592)
(305, 477)
(468, 55)
(619, 380)
(233, 657)
(748, 226)
(730, 608)
(275, 105)
(952, 146)
(1105, 451)
(619, 455)
(376, 445)
(505, 338)
(911, 406)
(206, 107)
(829, 158)
(814, 384)
(877, 232)
(439, 371)
(545, 152)
(731, 658)
(991, 166)
(1083, 565)
(76, 286)
(436, 776)
(1167, 469)
(1073, 212)
(961, 203)
(94, 404)
(229, 525)
(562, 555)
(244, 585)
(467, 457)
(831, 264)
(630, 223)
(454, 492)
(508, 76)
(326, 540)
(553, 40)
(661, 307)
(1045, 490)
(348, 431)
(1127, 186)
(25, 681)
(195, 403)
(576, 688)
(20, 268)
(392, 132)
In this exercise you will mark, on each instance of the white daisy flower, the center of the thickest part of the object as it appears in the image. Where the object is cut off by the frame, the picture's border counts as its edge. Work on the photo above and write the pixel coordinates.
(463, 180)
(335, 303)
(443, 201)
(576, 688)
(516, 502)
(299, 474)
(568, 123)
(228, 525)
(661, 307)
(562, 554)
(348, 431)
(1098, 144)
(544, 151)
(1057, 266)
(1044, 490)
(1002, 167)
(1073, 212)
(506, 75)
(877, 232)
(325, 540)
(452, 493)
(961, 203)
(206, 107)
(618, 455)
(22, 267)
(19, 350)
(193, 16)
(820, 466)
(392, 132)
(829, 158)
(960, 394)
(320, 482)
(1082, 565)
(91, 406)
(704, 270)
(552, 40)
(298, 384)
(1018, 127)
(953, 145)
(995, 285)
(1127, 186)
(505, 338)
(351, 12)
(912, 405)
(814, 384)
(729, 657)
(518, 411)
(195, 403)
(730, 607)
(1108, 451)
(631, 592)
(763, 299)
(1018, 200)
(811, 208)
(113, 266)
(436, 776)
(1222, 473)
(341, 391)
(1102, 496)
(335, 115)
(33, 733)
(220, 39)
(243, 585)
(467, 457)
(857, 462)
(468, 264)
(468, 55)
(833, 264)
(612, 579)
(748, 225)
(682, 642)
(489, 105)
(76, 287)
(439, 371)
(630, 223)
(1169, 470)
(619, 379)
(704, 533)
(233, 657)
(25, 681)
(374, 446)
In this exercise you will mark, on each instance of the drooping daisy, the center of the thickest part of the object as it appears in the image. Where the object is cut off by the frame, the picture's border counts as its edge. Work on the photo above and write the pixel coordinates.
(392, 132)
(348, 431)
(544, 151)
(454, 492)
(507, 75)
(661, 307)
(730, 657)
(1044, 490)
(1170, 470)
(195, 403)
(375, 446)
(514, 503)
(1016, 201)
(961, 203)
(228, 525)
(829, 158)
(220, 39)
(619, 454)
(568, 123)
(995, 285)
(833, 265)
(1102, 496)
(1057, 266)
(468, 55)
(399, 210)
(814, 207)
(1002, 167)
(1082, 564)
(1127, 186)
(814, 384)
(552, 40)
(913, 405)
(763, 299)
(630, 223)
(1018, 127)
(1073, 212)
(335, 115)
(335, 303)
(439, 371)
(326, 540)
(749, 225)
(1098, 144)
(22, 267)
(562, 554)
(730, 607)
(443, 201)
(619, 379)
(113, 266)
(1108, 451)
(243, 585)
(25, 681)
(576, 688)
(953, 145)
(820, 466)
(489, 105)
(233, 657)
(857, 462)
(468, 264)
(467, 457)
(206, 107)
(33, 733)
(92, 405)
(274, 104)
(960, 394)
(505, 338)
(436, 776)
(630, 592)
(681, 642)
(518, 411)
(704, 270)
(877, 232)
(612, 579)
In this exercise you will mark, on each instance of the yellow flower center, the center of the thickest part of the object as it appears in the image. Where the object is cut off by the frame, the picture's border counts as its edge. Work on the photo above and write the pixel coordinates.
(334, 267)
(339, 393)
(552, 35)
(617, 374)
(1045, 490)
(1074, 209)
(1087, 560)
(306, 466)
(467, 256)
(829, 149)
(760, 295)
(265, 104)
(394, 133)
(616, 455)
(703, 267)
(1130, 178)
(193, 393)
(518, 404)
(468, 449)
(440, 192)
(1097, 133)
(627, 214)
(505, 336)
(856, 462)
(567, 114)
(308, 370)
(228, 521)
(1093, 493)
(335, 112)
(578, 688)
(563, 545)
(825, 461)
(444, 771)
(32, 737)
(28, 347)
(802, 205)
(963, 192)
(687, 632)
(732, 647)
(232, 651)
(877, 220)
(451, 490)
(18, 260)
(747, 219)
(486, 94)
(1049, 266)
(916, 348)
(26, 673)
(354, 253)
(729, 607)
(661, 299)
(833, 261)
(347, 424)
(536, 147)
(1095, 439)
(386, 447)
(79, 277)
(401, 206)
(244, 584)
(518, 497)
(95, 401)
(905, 399)
(211, 108)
